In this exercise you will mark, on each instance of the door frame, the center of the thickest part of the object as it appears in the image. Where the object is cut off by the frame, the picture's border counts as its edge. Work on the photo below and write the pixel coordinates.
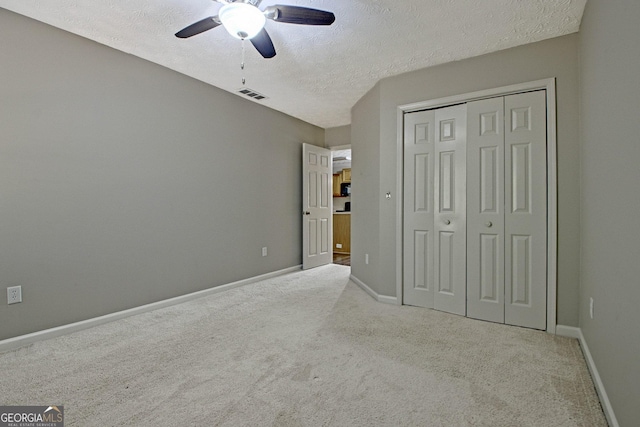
(552, 178)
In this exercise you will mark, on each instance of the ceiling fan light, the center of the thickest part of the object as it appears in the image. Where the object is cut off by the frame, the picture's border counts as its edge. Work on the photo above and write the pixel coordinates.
(242, 20)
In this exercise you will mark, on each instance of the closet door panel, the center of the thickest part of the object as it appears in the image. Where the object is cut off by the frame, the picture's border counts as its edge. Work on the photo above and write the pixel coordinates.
(418, 272)
(449, 261)
(485, 210)
(526, 210)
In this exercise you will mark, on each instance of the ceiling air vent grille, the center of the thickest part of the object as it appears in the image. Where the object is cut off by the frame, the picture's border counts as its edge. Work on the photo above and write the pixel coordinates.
(252, 94)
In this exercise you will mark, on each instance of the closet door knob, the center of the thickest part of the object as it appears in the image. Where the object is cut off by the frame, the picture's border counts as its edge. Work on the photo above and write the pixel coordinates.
(489, 224)
(446, 221)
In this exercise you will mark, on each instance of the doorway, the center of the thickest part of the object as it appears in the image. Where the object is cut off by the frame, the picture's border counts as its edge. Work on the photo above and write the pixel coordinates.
(326, 212)
(342, 204)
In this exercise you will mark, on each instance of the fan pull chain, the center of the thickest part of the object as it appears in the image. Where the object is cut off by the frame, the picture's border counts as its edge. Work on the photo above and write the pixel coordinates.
(242, 64)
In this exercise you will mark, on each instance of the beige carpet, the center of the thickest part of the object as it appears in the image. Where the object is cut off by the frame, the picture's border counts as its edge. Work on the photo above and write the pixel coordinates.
(304, 349)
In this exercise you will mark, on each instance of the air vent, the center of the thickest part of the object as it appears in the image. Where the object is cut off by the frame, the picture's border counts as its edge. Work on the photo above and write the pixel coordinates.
(252, 94)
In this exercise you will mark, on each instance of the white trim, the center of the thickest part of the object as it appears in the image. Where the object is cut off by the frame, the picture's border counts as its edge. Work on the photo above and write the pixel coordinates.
(568, 331)
(339, 147)
(20, 341)
(552, 177)
(380, 298)
(573, 332)
(552, 208)
(387, 299)
(400, 208)
(482, 94)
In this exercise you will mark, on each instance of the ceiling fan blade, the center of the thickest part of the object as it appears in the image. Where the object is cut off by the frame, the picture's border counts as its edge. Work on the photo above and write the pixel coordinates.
(262, 42)
(299, 15)
(199, 27)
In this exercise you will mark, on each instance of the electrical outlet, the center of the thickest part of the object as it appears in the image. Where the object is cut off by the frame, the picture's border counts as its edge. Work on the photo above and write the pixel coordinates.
(591, 307)
(339, 245)
(366, 258)
(264, 251)
(14, 294)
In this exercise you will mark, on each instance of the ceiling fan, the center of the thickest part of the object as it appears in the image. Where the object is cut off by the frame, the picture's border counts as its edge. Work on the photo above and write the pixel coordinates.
(244, 20)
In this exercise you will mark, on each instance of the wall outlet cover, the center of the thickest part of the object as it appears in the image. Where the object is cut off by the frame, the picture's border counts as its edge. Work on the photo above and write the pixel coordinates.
(14, 294)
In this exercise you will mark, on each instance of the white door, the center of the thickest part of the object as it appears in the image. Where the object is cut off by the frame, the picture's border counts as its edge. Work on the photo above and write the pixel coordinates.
(526, 210)
(507, 210)
(485, 210)
(317, 206)
(419, 150)
(449, 255)
(434, 209)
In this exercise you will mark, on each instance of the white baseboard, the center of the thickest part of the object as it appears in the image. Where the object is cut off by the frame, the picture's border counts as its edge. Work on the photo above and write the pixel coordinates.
(380, 298)
(568, 331)
(573, 332)
(21, 341)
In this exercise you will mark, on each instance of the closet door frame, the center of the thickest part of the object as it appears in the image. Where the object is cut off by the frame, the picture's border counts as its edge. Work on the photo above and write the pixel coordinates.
(552, 178)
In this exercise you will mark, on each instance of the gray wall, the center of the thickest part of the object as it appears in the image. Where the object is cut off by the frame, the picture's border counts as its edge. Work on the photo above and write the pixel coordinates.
(365, 180)
(552, 58)
(610, 202)
(124, 183)
(335, 137)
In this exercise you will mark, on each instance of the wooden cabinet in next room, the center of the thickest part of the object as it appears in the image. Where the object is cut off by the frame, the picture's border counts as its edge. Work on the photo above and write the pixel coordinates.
(337, 180)
(342, 233)
(346, 175)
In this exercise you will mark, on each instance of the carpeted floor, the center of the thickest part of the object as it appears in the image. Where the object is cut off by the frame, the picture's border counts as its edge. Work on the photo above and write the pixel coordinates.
(305, 349)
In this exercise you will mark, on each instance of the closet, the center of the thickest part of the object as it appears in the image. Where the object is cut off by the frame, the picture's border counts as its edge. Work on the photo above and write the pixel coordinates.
(475, 209)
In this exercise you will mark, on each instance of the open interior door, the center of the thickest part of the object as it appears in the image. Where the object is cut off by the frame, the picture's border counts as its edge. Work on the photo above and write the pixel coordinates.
(317, 206)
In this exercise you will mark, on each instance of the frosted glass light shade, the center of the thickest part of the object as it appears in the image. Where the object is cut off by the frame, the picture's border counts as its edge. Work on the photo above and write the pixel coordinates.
(242, 20)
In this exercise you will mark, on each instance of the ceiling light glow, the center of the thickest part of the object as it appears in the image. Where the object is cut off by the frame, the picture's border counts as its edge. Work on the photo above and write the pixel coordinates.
(242, 20)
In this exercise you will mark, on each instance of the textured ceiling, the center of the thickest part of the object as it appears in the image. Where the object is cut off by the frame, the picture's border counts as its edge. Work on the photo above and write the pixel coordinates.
(340, 164)
(318, 73)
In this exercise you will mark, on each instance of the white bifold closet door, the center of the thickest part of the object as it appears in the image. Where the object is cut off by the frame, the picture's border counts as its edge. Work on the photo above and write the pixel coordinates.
(475, 209)
(419, 151)
(485, 220)
(435, 223)
(507, 210)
